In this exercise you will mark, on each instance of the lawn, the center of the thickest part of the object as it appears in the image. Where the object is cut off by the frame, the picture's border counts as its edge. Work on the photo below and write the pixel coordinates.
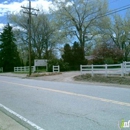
(102, 79)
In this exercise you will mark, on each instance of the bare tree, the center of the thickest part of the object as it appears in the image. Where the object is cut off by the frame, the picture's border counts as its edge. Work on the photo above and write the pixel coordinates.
(119, 32)
(45, 36)
(79, 17)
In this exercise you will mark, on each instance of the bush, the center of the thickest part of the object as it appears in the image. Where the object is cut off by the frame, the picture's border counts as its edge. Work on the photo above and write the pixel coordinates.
(108, 60)
(107, 53)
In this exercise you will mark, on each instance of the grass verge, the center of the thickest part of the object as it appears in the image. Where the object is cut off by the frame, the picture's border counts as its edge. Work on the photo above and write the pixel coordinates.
(102, 79)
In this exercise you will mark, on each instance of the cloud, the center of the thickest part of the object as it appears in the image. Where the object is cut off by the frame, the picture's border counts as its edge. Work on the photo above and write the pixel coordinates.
(1, 26)
(5, 2)
(15, 7)
(42, 4)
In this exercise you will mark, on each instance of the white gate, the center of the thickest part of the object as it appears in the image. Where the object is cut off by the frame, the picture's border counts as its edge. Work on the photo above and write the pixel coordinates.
(24, 69)
(56, 68)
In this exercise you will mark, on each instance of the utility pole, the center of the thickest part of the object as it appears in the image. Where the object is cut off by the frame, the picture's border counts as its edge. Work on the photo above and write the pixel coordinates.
(29, 12)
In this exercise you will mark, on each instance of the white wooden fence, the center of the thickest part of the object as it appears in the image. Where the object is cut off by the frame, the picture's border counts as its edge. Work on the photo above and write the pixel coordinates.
(126, 67)
(24, 69)
(56, 68)
(103, 69)
(1, 69)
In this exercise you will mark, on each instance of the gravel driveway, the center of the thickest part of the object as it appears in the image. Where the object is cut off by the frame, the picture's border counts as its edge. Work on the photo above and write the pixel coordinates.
(64, 76)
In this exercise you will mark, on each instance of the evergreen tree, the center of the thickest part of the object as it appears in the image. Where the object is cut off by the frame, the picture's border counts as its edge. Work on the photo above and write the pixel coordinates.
(78, 55)
(74, 56)
(9, 56)
(67, 56)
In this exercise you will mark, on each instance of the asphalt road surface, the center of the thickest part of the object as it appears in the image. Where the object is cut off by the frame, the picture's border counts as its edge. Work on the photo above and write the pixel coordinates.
(66, 106)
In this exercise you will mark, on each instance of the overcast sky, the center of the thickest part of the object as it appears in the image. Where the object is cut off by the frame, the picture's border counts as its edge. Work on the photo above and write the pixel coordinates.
(7, 6)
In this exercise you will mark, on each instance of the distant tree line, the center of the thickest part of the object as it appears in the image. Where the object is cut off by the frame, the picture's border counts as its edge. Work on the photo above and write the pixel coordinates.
(105, 37)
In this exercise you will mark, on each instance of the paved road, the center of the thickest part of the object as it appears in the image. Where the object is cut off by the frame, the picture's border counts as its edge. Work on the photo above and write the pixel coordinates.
(66, 106)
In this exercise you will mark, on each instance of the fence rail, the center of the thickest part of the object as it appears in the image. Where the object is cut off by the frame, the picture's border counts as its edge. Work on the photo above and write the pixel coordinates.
(1, 69)
(103, 69)
(23, 69)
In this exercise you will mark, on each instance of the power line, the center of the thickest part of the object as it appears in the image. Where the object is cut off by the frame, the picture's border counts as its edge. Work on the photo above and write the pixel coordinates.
(116, 10)
(114, 1)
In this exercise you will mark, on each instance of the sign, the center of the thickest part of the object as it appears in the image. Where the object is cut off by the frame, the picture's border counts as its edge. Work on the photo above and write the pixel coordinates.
(125, 124)
(40, 62)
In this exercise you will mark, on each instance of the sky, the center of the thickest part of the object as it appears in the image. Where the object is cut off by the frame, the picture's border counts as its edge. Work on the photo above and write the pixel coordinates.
(8, 6)
(14, 6)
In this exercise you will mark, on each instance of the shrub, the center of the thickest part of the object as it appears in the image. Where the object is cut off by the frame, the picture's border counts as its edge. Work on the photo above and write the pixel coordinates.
(107, 53)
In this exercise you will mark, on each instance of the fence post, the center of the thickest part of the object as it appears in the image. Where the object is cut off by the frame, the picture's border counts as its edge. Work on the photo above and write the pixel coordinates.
(105, 70)
(34, 68)
(58, 68)
(92, 70)
(24, 69)
(53, 69)
(1, 69)
(81, 69)
(125, 67)
(122, 70)
(15, 69)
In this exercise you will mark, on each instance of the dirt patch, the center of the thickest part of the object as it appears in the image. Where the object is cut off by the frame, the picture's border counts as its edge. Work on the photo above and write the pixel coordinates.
(103, 79)
(61, 77)
(44, 74)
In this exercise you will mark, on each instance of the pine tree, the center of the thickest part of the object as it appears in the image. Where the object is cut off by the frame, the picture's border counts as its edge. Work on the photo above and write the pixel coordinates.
(78, 55)
(9, 56)
(74, 56)
(67, 56)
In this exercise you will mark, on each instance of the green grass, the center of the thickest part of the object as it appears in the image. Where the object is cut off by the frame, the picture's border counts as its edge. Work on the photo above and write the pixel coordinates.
(40, 69)
(102, 79)
(20, 72)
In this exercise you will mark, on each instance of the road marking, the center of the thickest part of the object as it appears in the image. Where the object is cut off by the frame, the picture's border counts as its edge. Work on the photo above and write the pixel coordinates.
(21, 117)
(74, 94)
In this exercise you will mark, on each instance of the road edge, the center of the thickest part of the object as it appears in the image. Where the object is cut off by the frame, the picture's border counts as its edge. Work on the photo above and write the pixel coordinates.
(20, 119)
